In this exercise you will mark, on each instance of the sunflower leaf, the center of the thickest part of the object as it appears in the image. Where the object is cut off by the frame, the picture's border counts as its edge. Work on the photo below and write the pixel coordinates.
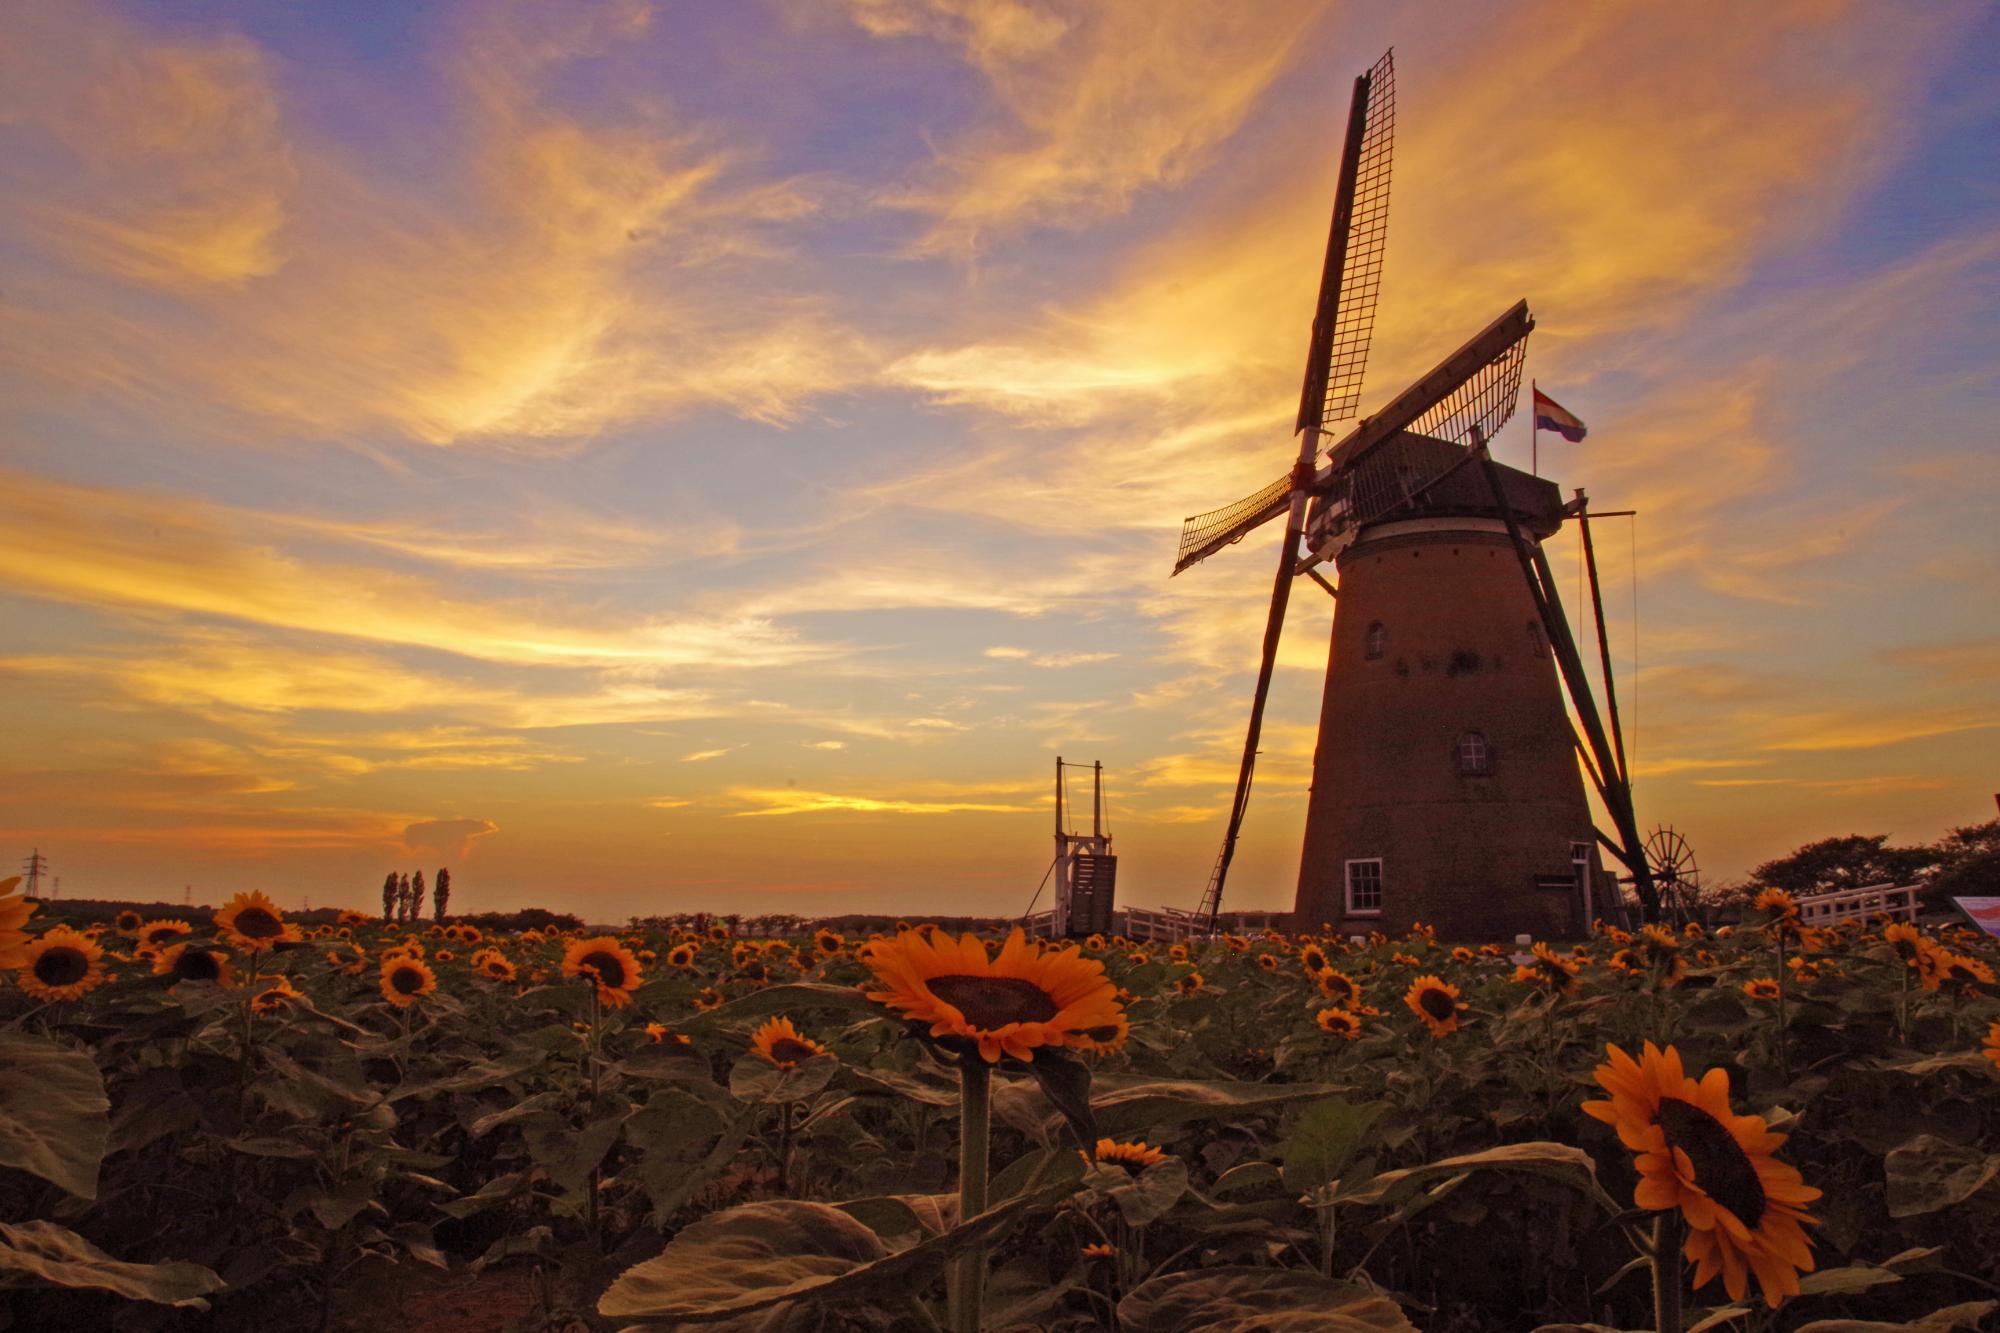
(786, 999)
(755, 1079)
(1236, 1300)
(54, 1116)
(1570, 1165)
(1929, 1173)
(57, 1255)
(758, 1255)
(1065, 1081)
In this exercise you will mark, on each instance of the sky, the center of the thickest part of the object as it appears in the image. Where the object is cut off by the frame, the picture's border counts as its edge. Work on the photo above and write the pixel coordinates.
(679, 456)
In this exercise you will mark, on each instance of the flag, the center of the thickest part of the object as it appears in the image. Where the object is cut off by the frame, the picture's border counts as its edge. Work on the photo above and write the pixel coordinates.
(1552, 416)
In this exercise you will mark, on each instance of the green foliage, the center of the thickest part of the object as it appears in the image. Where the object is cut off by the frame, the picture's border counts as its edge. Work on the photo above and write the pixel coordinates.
(53, 1112)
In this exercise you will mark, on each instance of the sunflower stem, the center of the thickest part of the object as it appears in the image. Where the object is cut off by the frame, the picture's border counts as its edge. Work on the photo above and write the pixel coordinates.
(1667, 1273)
(1784, 1050)
(975, 1096)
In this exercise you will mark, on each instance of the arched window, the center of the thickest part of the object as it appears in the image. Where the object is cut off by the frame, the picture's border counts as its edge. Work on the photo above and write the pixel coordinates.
(1540, 644)
(1378, 640)
(1475, 758)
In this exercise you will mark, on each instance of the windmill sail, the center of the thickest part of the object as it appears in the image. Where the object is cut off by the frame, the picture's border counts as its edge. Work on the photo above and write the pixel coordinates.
(1344, 316)
(1337, 351)
(1344, 321)
(1395, 456)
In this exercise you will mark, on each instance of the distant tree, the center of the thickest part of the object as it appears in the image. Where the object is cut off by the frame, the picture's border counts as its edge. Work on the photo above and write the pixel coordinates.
(416, 895)
(389, 891)
(441, 894)
(1966, 863)
(403, 912)
(1849, 862)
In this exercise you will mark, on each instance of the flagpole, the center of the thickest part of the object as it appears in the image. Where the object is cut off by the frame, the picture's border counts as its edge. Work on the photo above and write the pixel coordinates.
(1534, 434)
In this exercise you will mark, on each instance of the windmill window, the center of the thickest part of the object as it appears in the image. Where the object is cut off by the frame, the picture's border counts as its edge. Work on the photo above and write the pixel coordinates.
(1378, 640)
(1475, 757)
(1364, 887)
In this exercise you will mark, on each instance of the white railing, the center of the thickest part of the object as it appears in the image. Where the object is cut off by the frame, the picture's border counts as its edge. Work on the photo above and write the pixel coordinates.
(1169, 925)
(1826, 909)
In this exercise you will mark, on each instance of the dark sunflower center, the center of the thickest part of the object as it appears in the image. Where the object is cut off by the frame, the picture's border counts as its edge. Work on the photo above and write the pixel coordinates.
(61, 966)
(994, 1002)
(128, 921)
(1437, 1004)
(785, 1050)
(158, 934)
(406, 980)
(610, 972)
(258, 924)
(1721, 1167)
(1339, 986)
(1315, 960)
(196, 965)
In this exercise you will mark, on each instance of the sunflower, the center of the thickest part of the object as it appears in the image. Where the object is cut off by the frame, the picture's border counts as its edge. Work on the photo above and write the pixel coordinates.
(1627, 960)
(1965, 968)
(404, 979)
(1744, 1207)
(347, 958)
(60, 965)
(828, 942)
(1190, 983)
(1099, 1250)
(189, 962)
(1268, 961)
(718, 933)
(1492, 951)
(274, 998)
(352, 918)
(1693, 930)
(1992, 1043)
(662, 1035)
(1805, 969)
(1339, 1023)
(1134, 1157)
(783, 1045)
(1930, 964)
(15, 909)
(608, 963)
(1762, 988)
(1776, 902)
(1337, 986)
(708, 997)
(250, 922)
(1027, 996)
(1550, 970)
(495, 966)
(127, 922)
(1313, 959)
(1436, 1003)
(1461, 954)
(1662, 951)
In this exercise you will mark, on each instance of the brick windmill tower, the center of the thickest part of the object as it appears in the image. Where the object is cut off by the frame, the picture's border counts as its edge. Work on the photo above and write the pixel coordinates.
(1446, 783)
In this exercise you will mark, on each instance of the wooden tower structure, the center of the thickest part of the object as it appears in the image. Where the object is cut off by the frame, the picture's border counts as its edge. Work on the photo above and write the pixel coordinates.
(1446, 783)
(1086, 870)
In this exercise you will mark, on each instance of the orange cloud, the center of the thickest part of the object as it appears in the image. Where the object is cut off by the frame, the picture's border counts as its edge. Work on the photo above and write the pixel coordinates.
(595, 273)
(1098, 104)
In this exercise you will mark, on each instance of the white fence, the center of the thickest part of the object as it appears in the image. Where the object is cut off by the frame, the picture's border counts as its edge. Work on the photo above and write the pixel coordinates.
(1169, 925)
(1826, 909)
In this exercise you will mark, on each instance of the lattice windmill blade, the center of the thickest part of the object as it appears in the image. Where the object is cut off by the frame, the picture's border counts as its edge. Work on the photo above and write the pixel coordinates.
(1351, 278)
(1202, 535)
(1401, 452)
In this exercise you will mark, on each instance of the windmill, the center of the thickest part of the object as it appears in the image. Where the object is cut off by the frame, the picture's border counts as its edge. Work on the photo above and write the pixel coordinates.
(1412, 462)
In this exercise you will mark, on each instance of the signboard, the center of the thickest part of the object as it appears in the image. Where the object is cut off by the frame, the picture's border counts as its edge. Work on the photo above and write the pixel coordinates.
(1983, 913)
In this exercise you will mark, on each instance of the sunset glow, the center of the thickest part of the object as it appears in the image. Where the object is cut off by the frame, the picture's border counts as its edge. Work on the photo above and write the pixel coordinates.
(662, 457)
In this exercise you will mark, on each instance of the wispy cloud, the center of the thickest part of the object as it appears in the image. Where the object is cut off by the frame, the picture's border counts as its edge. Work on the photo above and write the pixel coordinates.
(794, 801)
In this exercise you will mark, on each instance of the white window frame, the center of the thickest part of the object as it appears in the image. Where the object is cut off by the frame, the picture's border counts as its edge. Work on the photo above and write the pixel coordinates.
(1485, 747)
(1348, 886)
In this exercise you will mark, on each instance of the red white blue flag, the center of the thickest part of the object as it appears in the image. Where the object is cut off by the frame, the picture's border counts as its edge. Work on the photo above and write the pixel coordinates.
(1554, 417)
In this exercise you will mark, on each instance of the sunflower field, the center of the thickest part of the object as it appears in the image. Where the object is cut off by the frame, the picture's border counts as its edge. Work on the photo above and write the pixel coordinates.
(231, 1121)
